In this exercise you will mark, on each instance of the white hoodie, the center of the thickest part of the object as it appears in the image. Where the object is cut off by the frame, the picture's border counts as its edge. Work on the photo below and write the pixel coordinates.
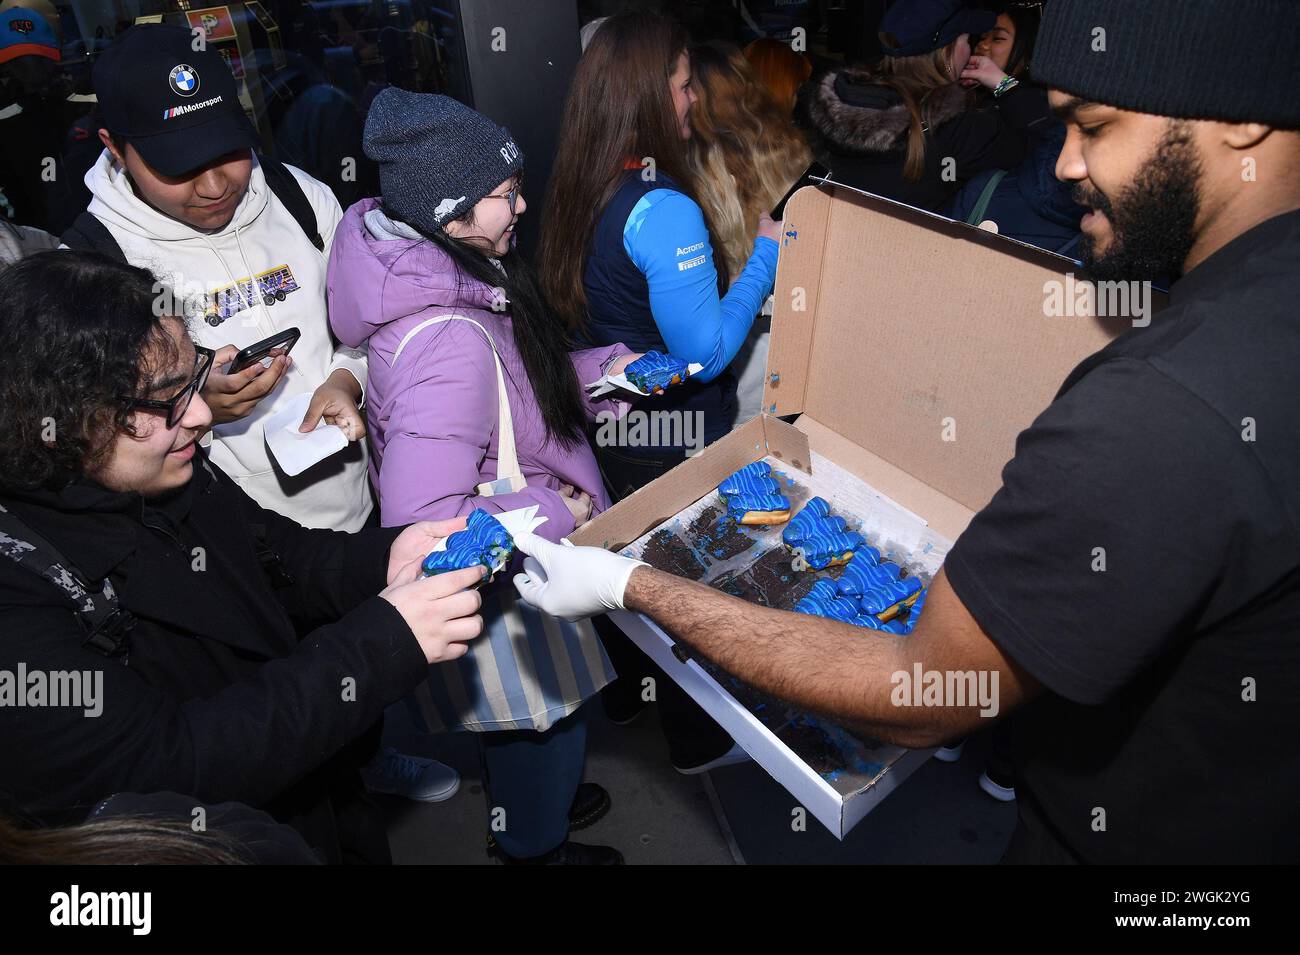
(264, 240)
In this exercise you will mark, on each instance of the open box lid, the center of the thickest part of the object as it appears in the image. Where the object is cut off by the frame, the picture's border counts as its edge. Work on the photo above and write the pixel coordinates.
(926, 343)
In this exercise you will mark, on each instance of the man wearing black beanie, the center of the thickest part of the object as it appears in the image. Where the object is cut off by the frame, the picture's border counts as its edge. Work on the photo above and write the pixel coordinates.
(1135, 583)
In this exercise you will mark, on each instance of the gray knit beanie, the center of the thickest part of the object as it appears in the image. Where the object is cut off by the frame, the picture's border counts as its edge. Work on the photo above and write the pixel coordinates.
(437, 157)
(1230, 60)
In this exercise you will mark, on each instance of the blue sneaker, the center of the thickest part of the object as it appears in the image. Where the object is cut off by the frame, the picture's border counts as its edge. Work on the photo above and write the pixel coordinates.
(412, 777)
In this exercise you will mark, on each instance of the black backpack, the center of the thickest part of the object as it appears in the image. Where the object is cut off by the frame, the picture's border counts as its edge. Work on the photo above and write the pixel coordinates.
(106, 623)
(88, 234)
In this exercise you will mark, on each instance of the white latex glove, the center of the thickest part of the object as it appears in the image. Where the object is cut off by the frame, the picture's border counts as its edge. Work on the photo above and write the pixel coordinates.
(572, 582)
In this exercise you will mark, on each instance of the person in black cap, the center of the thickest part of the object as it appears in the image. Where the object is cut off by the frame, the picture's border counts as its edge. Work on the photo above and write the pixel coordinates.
(1135, 583)
(903, 128)
(179, 189)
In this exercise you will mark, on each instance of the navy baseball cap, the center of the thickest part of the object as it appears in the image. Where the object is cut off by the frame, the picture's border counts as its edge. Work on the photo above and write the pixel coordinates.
(923, 26)
(179, 107)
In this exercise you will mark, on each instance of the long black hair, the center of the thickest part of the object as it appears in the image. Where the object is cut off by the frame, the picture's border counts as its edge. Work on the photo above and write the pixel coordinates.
(540, 337)
(1026, 17)
(77, 331)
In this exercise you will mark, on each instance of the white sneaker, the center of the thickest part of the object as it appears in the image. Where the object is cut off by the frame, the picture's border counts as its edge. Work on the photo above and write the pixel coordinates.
(414, 777)
(949, 754)
(997, 790)
(732, 756)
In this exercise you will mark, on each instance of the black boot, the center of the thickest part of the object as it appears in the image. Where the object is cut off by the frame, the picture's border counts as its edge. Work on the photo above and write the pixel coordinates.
(569, 853)
(590, 803)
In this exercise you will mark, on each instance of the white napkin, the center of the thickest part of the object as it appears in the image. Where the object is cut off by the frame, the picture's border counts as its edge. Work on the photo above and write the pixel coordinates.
(607, 383)
(522, 520)
(296, 451)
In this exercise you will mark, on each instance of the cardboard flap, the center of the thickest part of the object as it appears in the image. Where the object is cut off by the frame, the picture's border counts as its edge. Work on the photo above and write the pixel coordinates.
(924, 341)
(661, 499)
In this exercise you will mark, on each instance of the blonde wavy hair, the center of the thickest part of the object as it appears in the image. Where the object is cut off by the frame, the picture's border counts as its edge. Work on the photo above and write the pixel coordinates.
(744, 151)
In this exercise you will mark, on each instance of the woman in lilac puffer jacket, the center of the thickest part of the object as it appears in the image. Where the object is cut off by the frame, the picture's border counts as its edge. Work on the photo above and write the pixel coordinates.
(426, 278)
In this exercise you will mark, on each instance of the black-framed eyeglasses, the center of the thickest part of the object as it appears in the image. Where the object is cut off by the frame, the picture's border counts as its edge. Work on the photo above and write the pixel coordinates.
(178, 404)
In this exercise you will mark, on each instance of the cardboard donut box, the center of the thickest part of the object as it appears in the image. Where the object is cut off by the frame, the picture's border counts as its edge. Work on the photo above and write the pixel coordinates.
(909, 350)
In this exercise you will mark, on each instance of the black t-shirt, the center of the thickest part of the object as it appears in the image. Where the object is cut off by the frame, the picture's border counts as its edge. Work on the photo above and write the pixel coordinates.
(1142, 561)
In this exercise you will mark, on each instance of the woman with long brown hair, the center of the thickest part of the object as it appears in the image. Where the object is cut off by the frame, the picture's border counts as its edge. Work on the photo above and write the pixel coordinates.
(626, 251)
(627, 256)
(744, 153)
(904, 128)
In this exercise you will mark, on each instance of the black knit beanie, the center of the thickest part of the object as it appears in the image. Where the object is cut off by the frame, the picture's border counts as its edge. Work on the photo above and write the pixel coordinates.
(437, 157)
(1231, 60)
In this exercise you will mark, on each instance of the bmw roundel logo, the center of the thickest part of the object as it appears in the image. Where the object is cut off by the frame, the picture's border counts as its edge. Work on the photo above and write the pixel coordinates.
(184, 79)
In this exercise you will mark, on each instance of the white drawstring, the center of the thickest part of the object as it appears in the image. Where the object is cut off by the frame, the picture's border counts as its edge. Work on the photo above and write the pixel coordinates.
(257, 292)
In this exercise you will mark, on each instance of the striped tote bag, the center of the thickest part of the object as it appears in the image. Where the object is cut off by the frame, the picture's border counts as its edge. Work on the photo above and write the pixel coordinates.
(528, 669)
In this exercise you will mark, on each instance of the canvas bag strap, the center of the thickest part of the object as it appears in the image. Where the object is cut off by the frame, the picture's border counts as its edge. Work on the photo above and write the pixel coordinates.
(509, 478)
(986, 196)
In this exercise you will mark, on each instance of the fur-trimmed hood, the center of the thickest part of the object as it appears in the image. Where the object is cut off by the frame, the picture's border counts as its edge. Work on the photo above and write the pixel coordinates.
(853, 115)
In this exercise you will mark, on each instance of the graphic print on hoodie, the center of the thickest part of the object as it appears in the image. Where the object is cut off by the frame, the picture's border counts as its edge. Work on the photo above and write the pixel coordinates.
(267, 277)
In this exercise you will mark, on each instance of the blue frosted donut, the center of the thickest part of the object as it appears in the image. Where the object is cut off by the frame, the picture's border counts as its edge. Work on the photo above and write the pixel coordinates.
(654, 371)
(827, 547)
(856, 581)
(861, 573)
(742, 483)
(758, 508)
(483, 541)
(880, 598)
(813, 512)
(821, 601)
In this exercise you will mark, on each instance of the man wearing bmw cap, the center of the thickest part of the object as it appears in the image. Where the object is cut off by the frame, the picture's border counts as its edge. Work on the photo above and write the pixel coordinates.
(179, 189)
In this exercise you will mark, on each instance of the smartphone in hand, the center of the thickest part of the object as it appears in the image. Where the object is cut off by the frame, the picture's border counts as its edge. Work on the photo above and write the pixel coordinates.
(258, 351)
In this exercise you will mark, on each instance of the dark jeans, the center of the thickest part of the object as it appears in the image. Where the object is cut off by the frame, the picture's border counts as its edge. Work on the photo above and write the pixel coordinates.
(533, 777)
(693, 736)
